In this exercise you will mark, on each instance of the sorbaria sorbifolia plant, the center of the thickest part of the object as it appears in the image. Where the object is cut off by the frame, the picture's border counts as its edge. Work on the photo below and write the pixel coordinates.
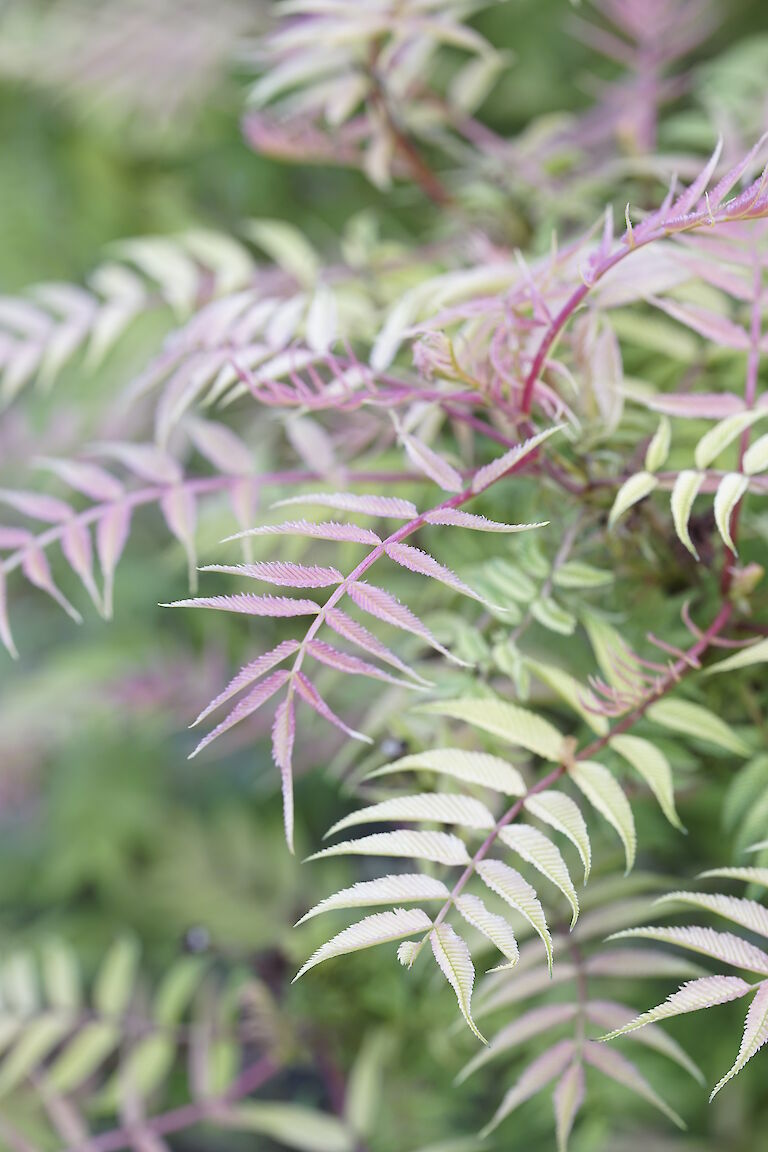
(514, 468)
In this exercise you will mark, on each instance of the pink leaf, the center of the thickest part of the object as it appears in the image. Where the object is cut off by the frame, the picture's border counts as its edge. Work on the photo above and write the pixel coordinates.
(39, 507)
(251, 605)
(536, 1076)
(459, 519)
(732, 177)
(425, 565)
(431, 464)
(14, 537)
(711, 325)
(688, 199)
(221, 447)
(568, 1098)
(111, 535)
(180, 513)
(344, 662)
(311, 696)
(5, 628)
(283, 573)
(386, 607)
(327, 530)
(76, 546)
(246, 707)
(358, 634)
(248, 674)
(283, 735)
(146, 461)
(351, 502)
(696, 405)
(35, 567)
(89, 479)
(511, 459)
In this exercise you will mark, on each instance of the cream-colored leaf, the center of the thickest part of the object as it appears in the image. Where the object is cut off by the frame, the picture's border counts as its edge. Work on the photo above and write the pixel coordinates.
(562, 814)
(440, 807)
(379, 928)
(693, 720)
(404, 887)
(755, 1035)
(494, 927)
(604, 794)
(470, 767)
(692, 996)
(539, 851)
(455, 962)
(439, 847)
(724, 946)
(519, 894)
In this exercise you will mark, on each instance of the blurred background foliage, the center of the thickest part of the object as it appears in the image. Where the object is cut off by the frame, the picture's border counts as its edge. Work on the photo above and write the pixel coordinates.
(105, 828)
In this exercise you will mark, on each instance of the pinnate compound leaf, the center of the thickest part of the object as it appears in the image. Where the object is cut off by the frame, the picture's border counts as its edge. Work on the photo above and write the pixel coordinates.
(439, 847)
(693, 720)
(438, 807)
(469, 767)
(510, 723)
(632, 491)
(616, 1066)
(724, 946)
(518, 893)
(755, 1035)
(494, 927)
(536, 1076)
(386, 506)
(684, 492)
(692, 996)
(539, 851)
(653, 766)
(562, 814)
(607, 797)
(402, 887)
(453, 959)
(379, 928)
(567, 1099)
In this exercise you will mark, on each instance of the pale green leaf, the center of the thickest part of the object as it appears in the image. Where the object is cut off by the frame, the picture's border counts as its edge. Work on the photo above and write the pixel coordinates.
(380, 928)
(729, 492)
(539, 851)
(470, 767)
(633, 490)
(562, 814)
(519, 894)
(654, 768)
(755, 654)
(684, 492)
(693, 720)
(724, 433)
(658, 449)
(510, 723)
